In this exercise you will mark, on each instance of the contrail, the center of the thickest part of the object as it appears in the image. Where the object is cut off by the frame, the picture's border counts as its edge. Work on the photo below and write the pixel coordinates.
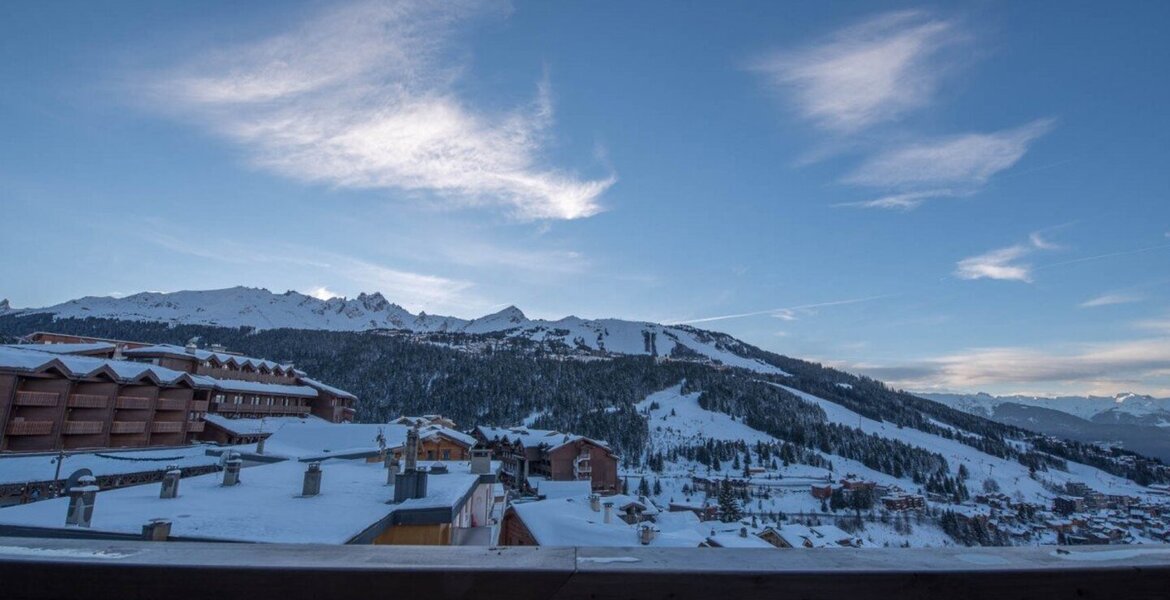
(1100, 256)
(781, 309)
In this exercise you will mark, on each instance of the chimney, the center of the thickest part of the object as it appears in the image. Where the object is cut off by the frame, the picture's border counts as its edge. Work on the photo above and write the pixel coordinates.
(481, 461)
(231, 470)
(118, 353)
(191, 347)
(608, 512)
(260, 445)
(312, 485)
(81, 500)
(157, 530)
(410, 484)
(595, 502)
(645, 534)
(411, 450)
(743, 532)
(391, 469)
(170, 483)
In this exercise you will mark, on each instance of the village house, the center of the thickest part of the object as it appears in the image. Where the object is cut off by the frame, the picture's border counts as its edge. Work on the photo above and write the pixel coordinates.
(594, 520)
(902, 501)
(528, 455)
(809, 536)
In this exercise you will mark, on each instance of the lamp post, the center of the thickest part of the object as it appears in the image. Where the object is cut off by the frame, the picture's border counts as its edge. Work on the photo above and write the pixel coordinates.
(57, 476)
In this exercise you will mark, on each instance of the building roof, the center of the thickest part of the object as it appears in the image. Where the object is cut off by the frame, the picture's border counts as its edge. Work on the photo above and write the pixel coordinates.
(244, 426)
(817, 536)
(570, 521)
(328, 389)
(256, 387)
(27, 468)
(729, 539)
(564, 489)
(265, 507)
(24, 360)
(204, 355)
(86, 348)
(534, 438)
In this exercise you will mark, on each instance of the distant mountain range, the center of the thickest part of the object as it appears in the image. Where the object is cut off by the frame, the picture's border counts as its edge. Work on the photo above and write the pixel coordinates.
(263, 310)
(1132, 421)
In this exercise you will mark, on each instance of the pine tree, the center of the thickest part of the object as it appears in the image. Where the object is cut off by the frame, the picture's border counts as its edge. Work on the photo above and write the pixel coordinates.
(657, 488)
(729, 510)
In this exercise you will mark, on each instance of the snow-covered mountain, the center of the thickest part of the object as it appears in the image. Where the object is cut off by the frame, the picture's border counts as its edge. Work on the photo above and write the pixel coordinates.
(1121, 408)
(262, 309)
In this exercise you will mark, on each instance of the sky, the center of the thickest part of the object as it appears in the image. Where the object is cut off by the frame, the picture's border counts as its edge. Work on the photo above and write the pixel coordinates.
(949, 197)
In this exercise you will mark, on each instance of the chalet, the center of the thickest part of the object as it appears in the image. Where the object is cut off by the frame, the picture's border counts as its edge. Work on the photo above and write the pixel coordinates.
(425, 420)
(84, 394)
(535, 453)
(901, 501)
(808, 536)
(821, 492)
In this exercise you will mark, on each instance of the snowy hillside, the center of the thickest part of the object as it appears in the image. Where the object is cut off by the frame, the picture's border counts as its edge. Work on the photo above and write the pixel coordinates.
(261, 309)
(677, 420)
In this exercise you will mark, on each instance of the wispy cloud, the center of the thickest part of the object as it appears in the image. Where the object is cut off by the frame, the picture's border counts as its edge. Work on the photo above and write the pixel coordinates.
(866, 74)
(1111, 299)
(1003, 263)
(785, 313)
(364, 96)
(905, 201)
(956, 163)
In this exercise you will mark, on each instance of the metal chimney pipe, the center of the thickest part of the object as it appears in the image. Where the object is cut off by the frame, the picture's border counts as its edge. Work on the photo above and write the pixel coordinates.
(231, 471)
(595, 502)
(312, 483)
(608, 512)
(411, 450)
(170, 483)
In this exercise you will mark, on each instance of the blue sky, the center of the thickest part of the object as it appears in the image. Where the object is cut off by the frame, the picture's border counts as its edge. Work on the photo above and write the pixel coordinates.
(947, 197)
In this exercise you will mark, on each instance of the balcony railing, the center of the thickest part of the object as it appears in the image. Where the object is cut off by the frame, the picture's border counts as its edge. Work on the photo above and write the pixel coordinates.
(83, 427)
(166, 426)
(134, 402)
(171, 404)
(199, 405)
(88, 401)
(117, 568)
(128, 427)
(30, 428)
(195, 426)
(37, 398)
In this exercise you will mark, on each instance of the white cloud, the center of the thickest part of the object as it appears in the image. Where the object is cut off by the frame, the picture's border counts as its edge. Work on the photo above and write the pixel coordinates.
(1003, 263)
(1110, 300)
(363, 96)
(997, 264)
(872, 72)
(962, 162)
(1102, 367)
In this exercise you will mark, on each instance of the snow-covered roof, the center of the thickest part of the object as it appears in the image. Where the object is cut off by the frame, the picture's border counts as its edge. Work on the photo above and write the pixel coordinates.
(244, 426)
(26, 468)
(328, 389)
(265, 507)
(533, 438)
(818, 536)
(564, 489)
(21, 359)
(256, 387)
(735, 540)
(204, 355)
(572, 522)
(87, 348)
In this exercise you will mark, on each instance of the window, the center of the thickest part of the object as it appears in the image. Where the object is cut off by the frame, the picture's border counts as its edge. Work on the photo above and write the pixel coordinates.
(446, 455)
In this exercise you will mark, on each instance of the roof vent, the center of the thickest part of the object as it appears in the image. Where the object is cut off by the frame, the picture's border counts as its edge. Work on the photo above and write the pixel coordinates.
(191, 347)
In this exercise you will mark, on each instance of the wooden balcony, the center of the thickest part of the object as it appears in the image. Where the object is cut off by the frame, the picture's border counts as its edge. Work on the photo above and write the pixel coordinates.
(134, 402)
(37, 398)
(166, 426)
(30, 428)
(88, 401)
(128, 427)
(195, 426)
(223, 407)
(171, 404)
(83, 427)
(199, 405)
